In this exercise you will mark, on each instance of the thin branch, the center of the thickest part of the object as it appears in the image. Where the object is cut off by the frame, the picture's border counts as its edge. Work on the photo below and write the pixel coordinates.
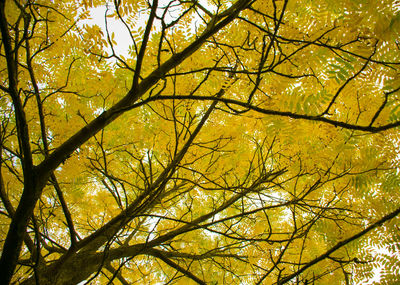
(291, 115)
(142, 50)
(176, 266)
(347, 82)
(339, 245)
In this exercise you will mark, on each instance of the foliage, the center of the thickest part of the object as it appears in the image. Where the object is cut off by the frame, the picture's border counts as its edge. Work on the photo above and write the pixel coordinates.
(237, 142)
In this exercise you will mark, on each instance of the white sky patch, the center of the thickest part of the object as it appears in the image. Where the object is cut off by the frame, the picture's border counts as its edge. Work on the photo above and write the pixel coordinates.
(122, 36)
(61, 101)
(212, 235)
(98, 111)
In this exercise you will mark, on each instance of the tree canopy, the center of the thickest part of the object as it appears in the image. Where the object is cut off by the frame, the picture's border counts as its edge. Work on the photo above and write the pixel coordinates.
(199, 142)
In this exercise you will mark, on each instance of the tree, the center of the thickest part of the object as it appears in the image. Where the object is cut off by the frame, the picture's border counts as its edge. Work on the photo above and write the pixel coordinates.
(247, 141)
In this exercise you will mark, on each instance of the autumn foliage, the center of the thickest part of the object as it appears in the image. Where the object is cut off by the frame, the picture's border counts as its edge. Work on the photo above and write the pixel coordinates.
(199, 141)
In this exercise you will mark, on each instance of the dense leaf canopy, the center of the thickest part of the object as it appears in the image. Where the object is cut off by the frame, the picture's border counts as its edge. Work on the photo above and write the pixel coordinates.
(199, 141)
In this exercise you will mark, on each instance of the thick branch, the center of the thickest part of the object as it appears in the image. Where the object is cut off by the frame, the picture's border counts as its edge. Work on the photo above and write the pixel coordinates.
(19, 223)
